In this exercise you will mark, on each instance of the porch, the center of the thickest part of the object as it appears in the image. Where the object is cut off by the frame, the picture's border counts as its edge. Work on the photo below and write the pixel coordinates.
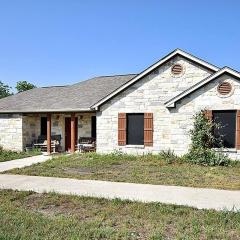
(57, 132)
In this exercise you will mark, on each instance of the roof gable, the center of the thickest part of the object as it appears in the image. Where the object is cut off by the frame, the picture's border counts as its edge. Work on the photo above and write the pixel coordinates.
(172, 102)
(154, 66)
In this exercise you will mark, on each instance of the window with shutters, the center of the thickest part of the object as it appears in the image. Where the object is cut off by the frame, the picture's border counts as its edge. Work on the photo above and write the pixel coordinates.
(226, 119)
(135, 129)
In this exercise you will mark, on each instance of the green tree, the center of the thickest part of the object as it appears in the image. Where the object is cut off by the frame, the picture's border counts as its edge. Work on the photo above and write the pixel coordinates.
(5, 90)
(203, 141)
(24, 86)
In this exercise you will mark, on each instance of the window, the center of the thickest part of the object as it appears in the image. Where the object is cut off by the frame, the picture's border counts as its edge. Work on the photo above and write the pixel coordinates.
(227, 119)
(135, 129)
(44, 126)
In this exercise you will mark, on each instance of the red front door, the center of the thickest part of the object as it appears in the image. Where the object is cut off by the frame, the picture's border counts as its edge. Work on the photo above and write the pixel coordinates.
(68, 132)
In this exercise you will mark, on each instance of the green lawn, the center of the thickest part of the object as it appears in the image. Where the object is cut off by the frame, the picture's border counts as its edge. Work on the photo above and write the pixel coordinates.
(29, 216)
(151, 169)
(11, 155)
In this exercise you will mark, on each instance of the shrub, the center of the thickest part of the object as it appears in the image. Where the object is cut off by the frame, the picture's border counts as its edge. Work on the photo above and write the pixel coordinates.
(168, 155)
(208, 157)
(203, 141)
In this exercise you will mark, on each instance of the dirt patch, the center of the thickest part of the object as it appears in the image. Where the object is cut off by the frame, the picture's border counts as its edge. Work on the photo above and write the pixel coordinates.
(53, 206)
(79, 171)
(119, 166)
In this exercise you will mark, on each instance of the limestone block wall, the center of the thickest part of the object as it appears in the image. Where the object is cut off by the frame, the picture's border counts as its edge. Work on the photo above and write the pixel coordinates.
(30, 128)
(149, 95)
(181, 117)
(171, 126)
(85, 124)
(11, 132)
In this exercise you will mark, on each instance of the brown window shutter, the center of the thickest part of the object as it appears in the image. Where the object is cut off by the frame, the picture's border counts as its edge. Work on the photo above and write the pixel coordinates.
(238, 130)
(122, 129)
(208, 114)
(148, 129)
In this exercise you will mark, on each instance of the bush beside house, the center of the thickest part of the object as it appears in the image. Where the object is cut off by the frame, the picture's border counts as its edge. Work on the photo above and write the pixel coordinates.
(203, 141)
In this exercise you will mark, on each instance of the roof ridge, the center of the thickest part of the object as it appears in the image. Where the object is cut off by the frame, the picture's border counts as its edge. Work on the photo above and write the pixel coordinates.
(69, 85)
(116, 75)
(199, 58)
(83, 81)
(55, 86)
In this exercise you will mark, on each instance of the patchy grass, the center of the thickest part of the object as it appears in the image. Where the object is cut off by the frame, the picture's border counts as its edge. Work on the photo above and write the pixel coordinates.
(11, 155)
(152, 169)
(28, 215)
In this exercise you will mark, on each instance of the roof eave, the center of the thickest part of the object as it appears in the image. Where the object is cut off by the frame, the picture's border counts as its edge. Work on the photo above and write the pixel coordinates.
(171, 105)
(172, 102)
(152, 67)
(49, 111)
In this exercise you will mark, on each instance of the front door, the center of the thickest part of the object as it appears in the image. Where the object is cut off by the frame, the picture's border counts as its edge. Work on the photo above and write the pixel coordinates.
(68, 132)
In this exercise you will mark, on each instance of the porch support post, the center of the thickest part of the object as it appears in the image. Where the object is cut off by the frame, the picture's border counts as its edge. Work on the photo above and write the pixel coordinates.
(73, 137)
(49, 133)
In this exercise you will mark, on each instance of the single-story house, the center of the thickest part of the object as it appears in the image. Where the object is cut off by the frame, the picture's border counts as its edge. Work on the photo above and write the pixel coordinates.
(135, 113)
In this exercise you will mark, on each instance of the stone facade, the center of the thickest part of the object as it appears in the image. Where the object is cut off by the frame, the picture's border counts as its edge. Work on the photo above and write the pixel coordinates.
(18, 131)
(85, 124)
(207, 97)
(171, 126)
(11, 132)
(30, 128)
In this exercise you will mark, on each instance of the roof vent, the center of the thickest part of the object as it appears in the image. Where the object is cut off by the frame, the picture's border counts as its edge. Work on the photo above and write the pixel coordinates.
(177, 69)
(224, 88)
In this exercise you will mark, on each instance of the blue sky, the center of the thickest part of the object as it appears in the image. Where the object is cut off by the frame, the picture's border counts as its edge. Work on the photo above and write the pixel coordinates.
(57, 42)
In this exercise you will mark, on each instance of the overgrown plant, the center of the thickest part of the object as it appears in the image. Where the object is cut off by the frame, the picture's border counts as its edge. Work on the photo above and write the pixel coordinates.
(169, 156)
(203, 142)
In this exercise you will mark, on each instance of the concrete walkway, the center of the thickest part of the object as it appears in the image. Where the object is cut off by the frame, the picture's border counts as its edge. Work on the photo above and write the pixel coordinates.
(23, 162)
(195, 197)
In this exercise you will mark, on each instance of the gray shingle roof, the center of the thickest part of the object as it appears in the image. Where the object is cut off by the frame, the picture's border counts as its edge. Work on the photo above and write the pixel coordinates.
(77, 97)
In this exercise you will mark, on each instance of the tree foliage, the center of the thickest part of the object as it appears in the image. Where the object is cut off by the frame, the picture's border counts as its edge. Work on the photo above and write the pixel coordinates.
(203, 141)
(24, 86)
(5, 90)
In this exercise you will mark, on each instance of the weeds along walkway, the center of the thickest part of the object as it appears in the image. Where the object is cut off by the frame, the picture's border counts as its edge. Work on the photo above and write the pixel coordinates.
(200, 198)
